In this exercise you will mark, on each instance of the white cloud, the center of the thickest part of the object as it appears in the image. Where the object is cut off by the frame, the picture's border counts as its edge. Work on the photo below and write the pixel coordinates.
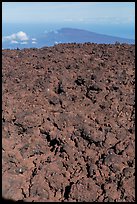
(34, 39)
(23, 43)
(56, 43)
(9, 38)
(14, 42)
(34, 42)
(21, 36)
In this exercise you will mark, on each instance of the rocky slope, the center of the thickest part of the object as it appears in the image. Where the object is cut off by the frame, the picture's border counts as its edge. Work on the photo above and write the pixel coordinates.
(68, 119)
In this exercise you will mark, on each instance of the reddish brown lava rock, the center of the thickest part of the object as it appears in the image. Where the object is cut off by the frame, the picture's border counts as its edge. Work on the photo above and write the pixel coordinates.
(69, 123)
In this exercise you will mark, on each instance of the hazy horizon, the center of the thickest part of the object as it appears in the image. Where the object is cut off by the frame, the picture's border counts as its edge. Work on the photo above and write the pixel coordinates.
(24, 20)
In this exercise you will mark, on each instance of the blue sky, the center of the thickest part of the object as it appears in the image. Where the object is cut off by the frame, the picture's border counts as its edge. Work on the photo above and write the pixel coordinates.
(94, 12)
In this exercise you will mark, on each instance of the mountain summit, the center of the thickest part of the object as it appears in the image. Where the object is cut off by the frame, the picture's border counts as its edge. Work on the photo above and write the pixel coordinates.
(68, 35)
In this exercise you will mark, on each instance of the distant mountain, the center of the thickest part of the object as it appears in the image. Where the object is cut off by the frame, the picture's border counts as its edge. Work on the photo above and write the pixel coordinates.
(68, 35)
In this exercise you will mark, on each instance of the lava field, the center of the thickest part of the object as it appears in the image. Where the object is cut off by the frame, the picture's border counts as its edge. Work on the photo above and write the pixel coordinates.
(68, 123)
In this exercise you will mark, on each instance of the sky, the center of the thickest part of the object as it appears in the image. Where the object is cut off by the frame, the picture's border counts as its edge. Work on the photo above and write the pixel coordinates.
(94, 12)
(23, 22)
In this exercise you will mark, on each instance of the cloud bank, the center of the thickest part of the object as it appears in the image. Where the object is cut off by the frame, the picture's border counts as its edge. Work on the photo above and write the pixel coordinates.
(20, 38)
(15, 37)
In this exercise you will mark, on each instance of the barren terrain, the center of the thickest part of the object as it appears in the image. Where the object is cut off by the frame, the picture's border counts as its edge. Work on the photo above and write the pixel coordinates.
(68, 119)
